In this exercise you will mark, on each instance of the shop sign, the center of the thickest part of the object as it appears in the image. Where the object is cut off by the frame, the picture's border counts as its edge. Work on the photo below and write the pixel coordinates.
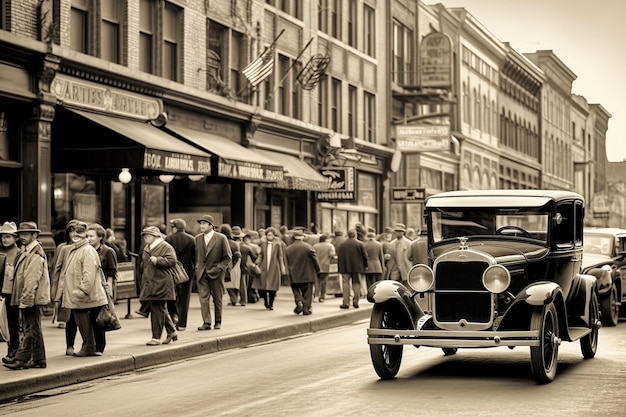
(436, 61)
(85, 94)
(176, 162)
(409, 194)
(422, 138)
(342, 185)
(249, 171)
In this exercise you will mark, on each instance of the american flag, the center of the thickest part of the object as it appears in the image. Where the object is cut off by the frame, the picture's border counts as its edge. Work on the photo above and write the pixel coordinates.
(261, 68)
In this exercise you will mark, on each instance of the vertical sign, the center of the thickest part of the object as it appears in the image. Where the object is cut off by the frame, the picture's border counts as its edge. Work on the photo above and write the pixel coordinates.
(436, 60)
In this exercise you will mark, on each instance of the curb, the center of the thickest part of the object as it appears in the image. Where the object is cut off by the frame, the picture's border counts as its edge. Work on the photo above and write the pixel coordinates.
(122, 364)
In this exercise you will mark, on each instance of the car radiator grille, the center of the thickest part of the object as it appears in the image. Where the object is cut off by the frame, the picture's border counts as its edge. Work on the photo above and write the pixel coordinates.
(460, 294)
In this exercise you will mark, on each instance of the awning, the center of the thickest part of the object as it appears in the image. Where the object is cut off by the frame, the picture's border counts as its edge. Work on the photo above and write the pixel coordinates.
(233, 160)
(106, 145)
(298, 174)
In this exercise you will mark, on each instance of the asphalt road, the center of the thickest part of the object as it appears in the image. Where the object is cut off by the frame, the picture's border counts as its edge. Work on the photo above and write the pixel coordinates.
(330, 374)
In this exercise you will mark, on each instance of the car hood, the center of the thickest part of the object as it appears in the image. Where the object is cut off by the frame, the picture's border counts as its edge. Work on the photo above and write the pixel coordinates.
(503, 251)
(593, 259)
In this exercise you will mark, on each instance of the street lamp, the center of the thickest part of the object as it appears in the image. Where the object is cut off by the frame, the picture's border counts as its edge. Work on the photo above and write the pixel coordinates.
(125, 176)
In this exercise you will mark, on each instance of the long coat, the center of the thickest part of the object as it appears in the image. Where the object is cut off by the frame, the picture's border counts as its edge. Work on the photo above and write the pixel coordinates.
(325, 254)
(303, 264)
(418, 253)
(31, 282)
(270, 271)
(375, 257)
(214, 258)
(81, 277)
(233, 273)
(351, 257)
(398, 251)
(156, 282)
(185, 246)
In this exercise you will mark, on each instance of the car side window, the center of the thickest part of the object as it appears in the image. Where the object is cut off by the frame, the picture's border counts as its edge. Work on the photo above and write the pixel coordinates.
(564, 226)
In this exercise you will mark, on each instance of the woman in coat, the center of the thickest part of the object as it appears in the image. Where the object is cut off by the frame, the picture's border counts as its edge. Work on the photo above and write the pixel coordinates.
(271, 260)
(157, 285)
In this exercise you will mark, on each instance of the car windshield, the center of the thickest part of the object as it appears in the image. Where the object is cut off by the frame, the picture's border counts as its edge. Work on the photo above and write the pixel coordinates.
(449, 224)
(598, 244)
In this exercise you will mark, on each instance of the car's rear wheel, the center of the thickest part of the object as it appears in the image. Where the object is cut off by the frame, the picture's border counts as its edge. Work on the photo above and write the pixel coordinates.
(589, 343)
(610, 307)
(544, 358)
(386, 359)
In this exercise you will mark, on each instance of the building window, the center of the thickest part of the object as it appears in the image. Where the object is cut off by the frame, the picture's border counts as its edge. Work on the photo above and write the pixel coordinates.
(335, 105)
(352, 108)
(352, 23)
(146, 36)
(466, 103)
(335, 18)
(369, 30)
(216, 43)
(323, 102)
(291, 7)
(111, 38)
(236, 61)
(402, 66)
(172, 17)
(369, 116)
(79, 27)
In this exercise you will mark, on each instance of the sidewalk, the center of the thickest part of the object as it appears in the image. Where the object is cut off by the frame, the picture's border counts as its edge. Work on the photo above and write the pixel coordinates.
(126, 349)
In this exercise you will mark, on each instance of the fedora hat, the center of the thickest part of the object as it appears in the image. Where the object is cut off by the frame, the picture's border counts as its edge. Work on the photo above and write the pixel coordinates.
(30, 227)
(399, 227)
(152, 230)
(207, 218)
(237, 232)
(178, 223)
(298, 234)
(8, 228)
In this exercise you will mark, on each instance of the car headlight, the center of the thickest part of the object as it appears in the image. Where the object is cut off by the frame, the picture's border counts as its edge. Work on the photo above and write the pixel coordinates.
(421, 278)
(496, 279)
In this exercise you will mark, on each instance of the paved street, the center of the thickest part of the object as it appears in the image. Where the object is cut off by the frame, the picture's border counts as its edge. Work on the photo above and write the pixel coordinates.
(126, 350)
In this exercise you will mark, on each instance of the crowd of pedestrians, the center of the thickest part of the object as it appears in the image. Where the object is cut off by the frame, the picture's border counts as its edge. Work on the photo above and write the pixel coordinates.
(244, 265)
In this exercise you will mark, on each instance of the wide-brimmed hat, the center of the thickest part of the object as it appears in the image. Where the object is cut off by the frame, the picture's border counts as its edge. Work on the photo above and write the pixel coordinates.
(399, 227)
(30, 227)
(237, 232)
(152, 230)
(207, 218)
(8, 228)
(178, 223)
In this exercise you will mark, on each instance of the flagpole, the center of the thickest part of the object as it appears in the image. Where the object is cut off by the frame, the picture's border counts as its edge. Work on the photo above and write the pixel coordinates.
(269, 97)
(270, 47)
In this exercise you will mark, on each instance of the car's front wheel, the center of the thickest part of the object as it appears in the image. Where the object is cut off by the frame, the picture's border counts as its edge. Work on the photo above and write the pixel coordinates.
(386, 359)
(544, 358)
(589, 343)
(610, 307)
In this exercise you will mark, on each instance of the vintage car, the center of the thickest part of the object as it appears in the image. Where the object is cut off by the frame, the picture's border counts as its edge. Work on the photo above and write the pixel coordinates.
(604, 256)
(504, 270)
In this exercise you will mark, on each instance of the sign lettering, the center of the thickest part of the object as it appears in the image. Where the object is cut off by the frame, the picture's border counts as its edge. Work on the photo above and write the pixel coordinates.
(436, 60)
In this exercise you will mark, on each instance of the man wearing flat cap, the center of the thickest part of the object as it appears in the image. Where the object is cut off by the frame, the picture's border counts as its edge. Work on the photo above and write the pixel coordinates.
(213, 256)
(398, 254)
(185, 246)
(31, 290)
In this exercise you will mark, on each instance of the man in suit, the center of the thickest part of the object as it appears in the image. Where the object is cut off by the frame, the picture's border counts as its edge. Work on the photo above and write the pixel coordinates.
(375, 259)
(418, 253)
(303, 269)
(398, 254)
(185, 246)
(351, 263)
(213, 257)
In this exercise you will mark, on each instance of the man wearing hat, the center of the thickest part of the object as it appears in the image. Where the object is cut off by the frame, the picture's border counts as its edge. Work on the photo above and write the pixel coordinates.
(351, 263)
(185, 246)
(8, 254)
(303, 269)
(213, 256)
(375, 259)
(398, 254)
(31, 290)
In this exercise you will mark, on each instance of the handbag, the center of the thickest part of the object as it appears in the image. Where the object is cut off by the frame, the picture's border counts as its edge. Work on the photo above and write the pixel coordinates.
(107, 317)
(178, 273)
(253, 268)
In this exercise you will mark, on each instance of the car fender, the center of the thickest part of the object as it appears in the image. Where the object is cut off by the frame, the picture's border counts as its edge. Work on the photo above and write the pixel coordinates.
(603, 275)
(540, 293)
(395, 295)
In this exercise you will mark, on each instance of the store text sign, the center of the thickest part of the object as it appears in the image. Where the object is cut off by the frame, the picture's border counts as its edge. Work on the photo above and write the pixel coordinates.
(249, 171)
(176, 162)
(85, 94)
(342, 184)
(422, 138)
(436, 61)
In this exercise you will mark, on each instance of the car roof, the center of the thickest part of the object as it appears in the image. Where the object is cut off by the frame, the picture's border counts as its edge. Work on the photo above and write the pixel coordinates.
(499, 198)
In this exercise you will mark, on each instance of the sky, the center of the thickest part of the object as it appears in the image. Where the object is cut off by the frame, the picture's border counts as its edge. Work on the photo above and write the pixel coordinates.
(587, 36)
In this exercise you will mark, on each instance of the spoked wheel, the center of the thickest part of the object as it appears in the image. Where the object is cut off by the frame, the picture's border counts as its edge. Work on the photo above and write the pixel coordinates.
(610, 308)
(544, 358)
(589, 343)
(385, 358)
